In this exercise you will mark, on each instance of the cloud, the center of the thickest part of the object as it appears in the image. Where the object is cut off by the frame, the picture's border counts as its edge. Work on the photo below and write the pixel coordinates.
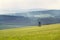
(29, 4)
(43, 15)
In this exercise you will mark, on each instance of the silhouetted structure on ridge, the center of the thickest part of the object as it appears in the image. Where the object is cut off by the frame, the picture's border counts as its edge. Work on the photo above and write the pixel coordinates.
(39, 22)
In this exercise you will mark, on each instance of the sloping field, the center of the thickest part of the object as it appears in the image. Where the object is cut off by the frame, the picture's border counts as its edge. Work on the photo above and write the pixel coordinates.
(45, 32)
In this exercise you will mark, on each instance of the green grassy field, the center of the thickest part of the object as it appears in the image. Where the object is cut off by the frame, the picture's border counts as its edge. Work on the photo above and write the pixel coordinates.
(45, 32)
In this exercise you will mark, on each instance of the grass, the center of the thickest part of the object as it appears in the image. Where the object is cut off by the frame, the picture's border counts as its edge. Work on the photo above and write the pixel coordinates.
(45, 32)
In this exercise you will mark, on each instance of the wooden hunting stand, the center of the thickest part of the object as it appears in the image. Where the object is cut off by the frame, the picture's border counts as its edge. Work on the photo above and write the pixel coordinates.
(39, 22)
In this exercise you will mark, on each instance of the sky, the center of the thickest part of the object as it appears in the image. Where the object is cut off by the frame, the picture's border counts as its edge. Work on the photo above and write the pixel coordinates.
(14, 5)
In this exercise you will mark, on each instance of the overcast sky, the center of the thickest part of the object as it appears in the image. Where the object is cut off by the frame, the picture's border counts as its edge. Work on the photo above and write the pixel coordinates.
(28, 4)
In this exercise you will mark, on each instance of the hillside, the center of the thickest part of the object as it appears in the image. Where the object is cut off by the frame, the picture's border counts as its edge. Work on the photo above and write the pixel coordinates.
(45, 32)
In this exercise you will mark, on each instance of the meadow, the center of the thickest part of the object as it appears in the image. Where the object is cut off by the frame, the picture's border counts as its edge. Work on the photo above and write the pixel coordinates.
(44, 32)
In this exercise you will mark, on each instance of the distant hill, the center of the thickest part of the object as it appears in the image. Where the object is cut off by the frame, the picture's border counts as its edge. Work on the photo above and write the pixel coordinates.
(8, 19)
(51, 12)
(21, 20)
(30, 18)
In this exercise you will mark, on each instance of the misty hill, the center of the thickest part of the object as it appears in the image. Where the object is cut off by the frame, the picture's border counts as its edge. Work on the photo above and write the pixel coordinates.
(33, 14)
(55, 13)
(8, 19)
(30, 18)
(21, 20)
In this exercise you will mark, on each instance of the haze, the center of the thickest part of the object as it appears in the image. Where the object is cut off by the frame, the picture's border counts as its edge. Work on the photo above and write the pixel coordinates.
(6, 5)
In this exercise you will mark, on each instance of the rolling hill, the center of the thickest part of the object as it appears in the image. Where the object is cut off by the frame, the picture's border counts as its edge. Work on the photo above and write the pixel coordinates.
(45, 32)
